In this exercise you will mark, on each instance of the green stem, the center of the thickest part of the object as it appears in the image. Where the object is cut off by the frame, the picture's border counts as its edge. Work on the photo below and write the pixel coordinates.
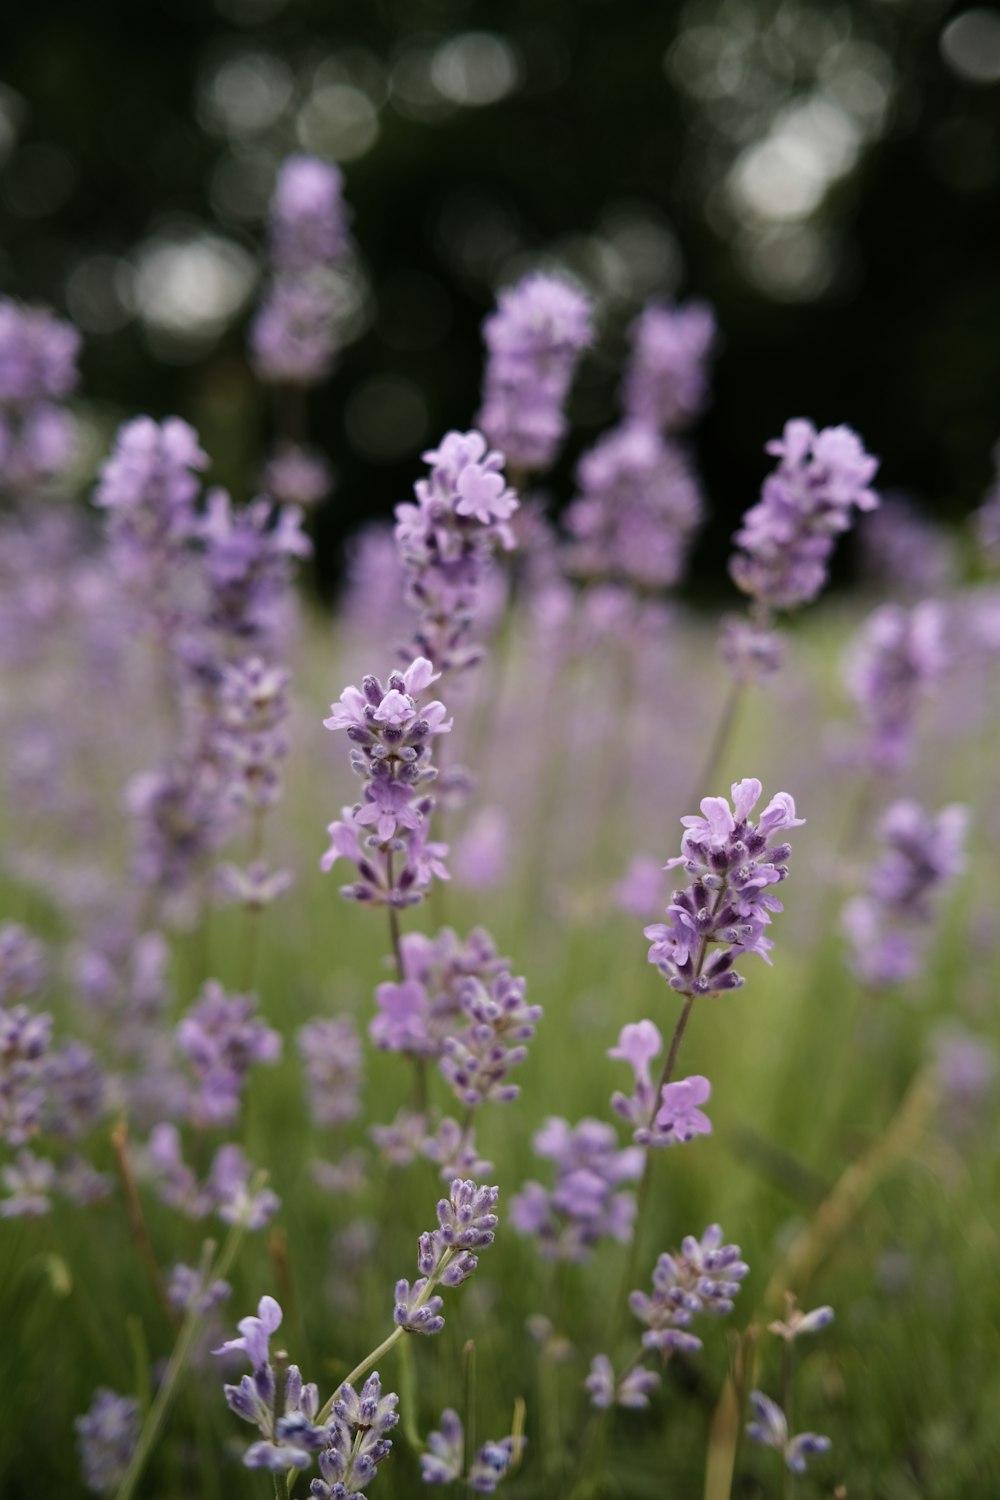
(786, 1402)
(646, 1182)
(175, 1367)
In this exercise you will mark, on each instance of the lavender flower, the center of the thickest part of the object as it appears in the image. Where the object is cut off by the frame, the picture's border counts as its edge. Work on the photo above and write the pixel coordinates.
(444, 1461)
(887, 925)
(331, 1055)
(295, 475)
(391, 739)
(308, 218)
(534, 339)
(189, 1291)
(632, 1390)
(106, 1436)
(477, 1059)
(446, 542)
(28, 1182)
(750, 649)
(770, 1428)
(731, 862)
(24, 1043)
(223, 1039)
(897, 661)
(796, 1322)
(289, 1432)
(466, 1223)
(585, 1204)
(905, 550)
(667, 377)
(293, 338)
(679, 1117)
(786, 539)
(38, 354)
(23, 965)
(703, 1278)
(637, 511)
(358, 1443)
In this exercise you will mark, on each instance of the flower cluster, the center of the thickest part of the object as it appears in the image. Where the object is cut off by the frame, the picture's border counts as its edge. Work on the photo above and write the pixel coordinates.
(637, 510)
(534, 339)
(703, 1278)
(222, 1039)
(586, 1203)
(895, 663)
(666, 383)
(231, 1189)
(293, 338)
(446, 542)
(476, 1027)
(331, 1055)
(770, 1428)
(786, 539)
(631, 1390)
(149, 487)
(674, 1118)
(38, 354)
(726, 909)
(444, 1461)
(887, 925)
(466, 1223)
(285, 1417)
(50, 1094)
(385, 835)
(358, 1441)
(107, 1435)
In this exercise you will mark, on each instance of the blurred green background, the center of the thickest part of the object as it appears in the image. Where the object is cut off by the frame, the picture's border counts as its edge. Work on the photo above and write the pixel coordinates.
(825, 174)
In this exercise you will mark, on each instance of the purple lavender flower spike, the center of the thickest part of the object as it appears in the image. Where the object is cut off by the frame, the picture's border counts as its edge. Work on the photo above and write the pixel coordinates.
(896, 662)
(966, 1067)
(295, 475)
(223, 1039)
(189, 1292)
(666, 383)
(786, 539)
(638, 508)
(106, 1436)
(444, 1460)
(230, 1193)
(446, 542)
(288, 1440)
(331, 1054)
(632, 1391)
(38, 354)
(585, 1204)
(534, 339)
(770, 1428)
(475, 1059)
(727, 907)
(308, 217)
(28, 1182)
(751, 649)
(466, 1222)
(385, 835)
(415, 1312)
(23, 964)
(887, 926)
(703, 1278)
